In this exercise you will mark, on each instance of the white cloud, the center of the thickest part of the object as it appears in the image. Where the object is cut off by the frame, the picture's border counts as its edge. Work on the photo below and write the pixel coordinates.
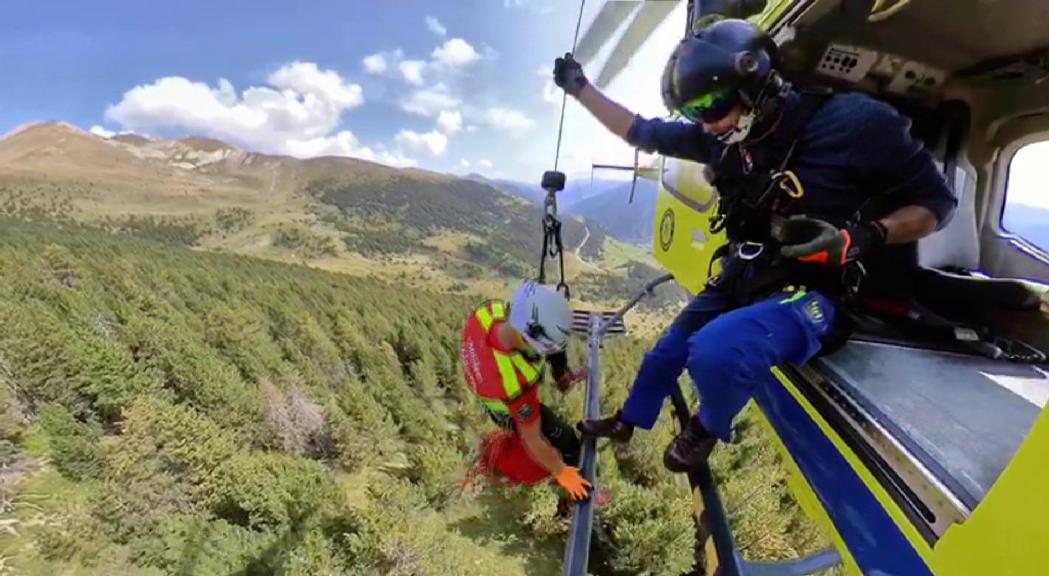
(375, 63)
(305, 78)
(484, 163)
(430, 101)
(303, 102)
(435, 26)
(102, 132)
(434, 141)
(298, 113)
(449, 122)
(455, 52)
(412, 71)
(344, 143)
(507, 120)
(464, 164)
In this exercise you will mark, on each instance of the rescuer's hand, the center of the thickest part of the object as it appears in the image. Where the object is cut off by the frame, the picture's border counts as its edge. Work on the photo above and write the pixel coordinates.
(577, 487)
(565, 382)
(568, 75)
(816, 241)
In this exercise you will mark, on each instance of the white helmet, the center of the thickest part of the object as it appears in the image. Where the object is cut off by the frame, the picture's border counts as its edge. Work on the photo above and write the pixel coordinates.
(542, 316)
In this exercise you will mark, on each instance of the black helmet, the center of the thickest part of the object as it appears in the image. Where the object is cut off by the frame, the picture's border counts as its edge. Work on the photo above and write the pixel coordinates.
(728, 62)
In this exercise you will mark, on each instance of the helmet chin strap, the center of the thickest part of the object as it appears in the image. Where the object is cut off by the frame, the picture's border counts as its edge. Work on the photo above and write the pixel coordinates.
(759, 109)
(741, 130)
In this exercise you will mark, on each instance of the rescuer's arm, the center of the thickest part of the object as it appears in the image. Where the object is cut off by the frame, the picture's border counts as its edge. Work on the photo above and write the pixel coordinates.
(539, 448)
(613, 115)
(678, 139)
(898, 168)
(816, 241)
(899, 172)
(562, 374)
(909, 224)
(527, 418)
(548, 457)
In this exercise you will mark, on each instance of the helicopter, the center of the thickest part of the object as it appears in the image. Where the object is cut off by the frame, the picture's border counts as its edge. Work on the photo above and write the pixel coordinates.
(921, 445)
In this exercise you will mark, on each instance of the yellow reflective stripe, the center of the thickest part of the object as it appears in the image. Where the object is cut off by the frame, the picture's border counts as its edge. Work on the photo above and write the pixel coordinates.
(506, 369)
(527, 370)
(484, 318)
(495, 406)
(498, 310)
(793, 297)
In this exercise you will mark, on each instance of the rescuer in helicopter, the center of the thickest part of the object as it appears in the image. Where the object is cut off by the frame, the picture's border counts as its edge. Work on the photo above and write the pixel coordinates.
(816, 189)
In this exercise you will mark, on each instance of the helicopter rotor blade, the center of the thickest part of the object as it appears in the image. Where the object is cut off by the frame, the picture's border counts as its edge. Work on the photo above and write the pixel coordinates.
(645, 22)
(597, 34)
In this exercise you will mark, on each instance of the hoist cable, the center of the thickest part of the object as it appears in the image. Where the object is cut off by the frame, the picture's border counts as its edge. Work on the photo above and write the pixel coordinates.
(552, 243)
(564, 95)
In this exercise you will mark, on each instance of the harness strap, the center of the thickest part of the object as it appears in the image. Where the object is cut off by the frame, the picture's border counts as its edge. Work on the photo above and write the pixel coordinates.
(781, 181)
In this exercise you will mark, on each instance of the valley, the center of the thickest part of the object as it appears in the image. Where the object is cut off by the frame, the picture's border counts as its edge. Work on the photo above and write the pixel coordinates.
(410, 226)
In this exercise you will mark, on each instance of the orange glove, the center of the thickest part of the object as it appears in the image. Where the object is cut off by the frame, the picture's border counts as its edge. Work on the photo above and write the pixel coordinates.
(576, 486)
(569, 378)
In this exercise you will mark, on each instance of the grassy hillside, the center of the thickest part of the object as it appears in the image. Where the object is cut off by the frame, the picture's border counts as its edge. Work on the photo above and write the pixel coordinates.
(414, 226)
(164, 411)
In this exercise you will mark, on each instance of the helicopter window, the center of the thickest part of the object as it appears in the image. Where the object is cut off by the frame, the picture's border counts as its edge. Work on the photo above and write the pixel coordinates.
(1026, 211)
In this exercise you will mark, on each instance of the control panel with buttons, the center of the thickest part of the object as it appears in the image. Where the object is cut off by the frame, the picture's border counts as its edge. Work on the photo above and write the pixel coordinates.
(847, 62)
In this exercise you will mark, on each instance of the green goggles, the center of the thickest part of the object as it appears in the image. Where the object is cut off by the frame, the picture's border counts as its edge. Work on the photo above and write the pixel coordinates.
(709, 107)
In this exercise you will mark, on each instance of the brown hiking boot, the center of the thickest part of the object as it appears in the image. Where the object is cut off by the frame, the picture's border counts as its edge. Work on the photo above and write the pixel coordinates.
(690, 448)
(613, 428)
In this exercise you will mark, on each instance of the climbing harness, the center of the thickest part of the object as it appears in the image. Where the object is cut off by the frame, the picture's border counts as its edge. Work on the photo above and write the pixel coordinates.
(751, 204)
(554, 182)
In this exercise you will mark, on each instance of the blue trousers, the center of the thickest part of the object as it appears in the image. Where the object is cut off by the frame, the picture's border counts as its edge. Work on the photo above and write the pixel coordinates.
(728, 353)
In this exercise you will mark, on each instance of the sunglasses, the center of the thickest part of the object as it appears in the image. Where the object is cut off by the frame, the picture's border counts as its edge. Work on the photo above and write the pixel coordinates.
(709, 107)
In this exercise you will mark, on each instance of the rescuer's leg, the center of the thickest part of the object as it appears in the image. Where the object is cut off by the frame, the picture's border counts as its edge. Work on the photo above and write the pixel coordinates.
(659, 371)
(732, 355)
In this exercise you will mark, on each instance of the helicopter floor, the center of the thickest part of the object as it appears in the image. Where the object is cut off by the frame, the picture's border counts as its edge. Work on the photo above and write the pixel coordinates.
(962, 417)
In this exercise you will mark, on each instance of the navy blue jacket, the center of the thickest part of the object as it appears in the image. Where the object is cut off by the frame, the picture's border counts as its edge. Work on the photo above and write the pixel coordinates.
(853, 147)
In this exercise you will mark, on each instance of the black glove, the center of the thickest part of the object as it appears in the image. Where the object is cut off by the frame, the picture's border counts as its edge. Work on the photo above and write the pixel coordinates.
(816, 241)
(568, 75)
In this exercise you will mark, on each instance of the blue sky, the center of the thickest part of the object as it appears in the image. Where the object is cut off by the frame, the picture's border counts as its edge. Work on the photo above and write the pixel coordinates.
(449, 85)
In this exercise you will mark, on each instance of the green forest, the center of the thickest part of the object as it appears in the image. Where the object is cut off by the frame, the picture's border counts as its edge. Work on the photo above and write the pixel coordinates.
(168, 411)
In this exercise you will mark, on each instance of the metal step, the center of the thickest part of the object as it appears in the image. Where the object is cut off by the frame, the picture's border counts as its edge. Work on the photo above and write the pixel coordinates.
(581, 321)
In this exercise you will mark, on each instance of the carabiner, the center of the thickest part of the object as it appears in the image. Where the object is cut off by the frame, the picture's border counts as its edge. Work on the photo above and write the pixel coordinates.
(791, 185)
(750, 250)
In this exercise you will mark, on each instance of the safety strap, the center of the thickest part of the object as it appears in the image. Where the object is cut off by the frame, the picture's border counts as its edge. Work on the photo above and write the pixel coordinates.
(918, 321)
(810, 100)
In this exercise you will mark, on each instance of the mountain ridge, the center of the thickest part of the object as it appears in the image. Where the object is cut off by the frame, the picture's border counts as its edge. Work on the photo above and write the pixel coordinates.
(418, 226)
